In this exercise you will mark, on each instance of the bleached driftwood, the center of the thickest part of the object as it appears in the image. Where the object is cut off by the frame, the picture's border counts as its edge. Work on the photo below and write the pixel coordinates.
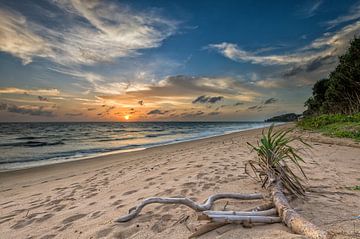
(291, 218)
(267, 216)
(188, 202)
(268, 212)
(241, 219)
(215, 225)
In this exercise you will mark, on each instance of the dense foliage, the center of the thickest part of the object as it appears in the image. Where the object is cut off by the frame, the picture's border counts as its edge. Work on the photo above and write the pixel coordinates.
(340, 92)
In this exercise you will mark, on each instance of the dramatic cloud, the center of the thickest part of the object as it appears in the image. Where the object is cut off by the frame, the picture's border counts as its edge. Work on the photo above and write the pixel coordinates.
(331, 44)
(115, 30)
(270, 101)
(27, 110)
(18, 39)
(47, 92)
(157, 112)
(183, 89)
(207, 99)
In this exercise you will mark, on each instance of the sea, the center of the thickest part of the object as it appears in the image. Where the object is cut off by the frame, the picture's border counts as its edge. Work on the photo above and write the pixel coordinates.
(24, 145)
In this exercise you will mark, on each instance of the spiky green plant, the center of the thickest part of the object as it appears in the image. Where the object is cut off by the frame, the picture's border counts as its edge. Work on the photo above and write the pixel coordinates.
(275, 155)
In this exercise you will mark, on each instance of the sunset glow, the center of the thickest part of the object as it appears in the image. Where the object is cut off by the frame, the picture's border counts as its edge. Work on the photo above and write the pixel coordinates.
(159, 61)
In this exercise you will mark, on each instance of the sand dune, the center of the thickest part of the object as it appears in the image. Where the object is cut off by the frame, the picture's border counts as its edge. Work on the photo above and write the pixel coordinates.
(81, 199)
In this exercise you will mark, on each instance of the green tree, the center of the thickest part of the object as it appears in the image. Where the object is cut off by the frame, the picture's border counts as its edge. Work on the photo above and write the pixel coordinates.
(340, 93)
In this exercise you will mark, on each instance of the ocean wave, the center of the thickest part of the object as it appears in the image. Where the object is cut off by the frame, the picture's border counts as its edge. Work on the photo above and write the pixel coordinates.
(157, 135)
(32, 144)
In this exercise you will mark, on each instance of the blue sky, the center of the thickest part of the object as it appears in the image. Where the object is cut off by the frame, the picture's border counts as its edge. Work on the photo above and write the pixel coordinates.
(74, 60)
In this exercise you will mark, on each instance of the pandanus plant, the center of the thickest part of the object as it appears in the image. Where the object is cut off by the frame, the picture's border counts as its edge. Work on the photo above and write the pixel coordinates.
(276, 154)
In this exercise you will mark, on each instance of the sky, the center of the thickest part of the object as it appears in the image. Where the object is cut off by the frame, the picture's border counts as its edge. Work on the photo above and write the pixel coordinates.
(112, 60)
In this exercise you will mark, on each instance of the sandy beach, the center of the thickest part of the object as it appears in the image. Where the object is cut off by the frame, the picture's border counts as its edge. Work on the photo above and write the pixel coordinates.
(81, 199)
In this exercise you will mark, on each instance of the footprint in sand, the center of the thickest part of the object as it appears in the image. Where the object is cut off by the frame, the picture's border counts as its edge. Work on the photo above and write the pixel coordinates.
(96, 214)
(117, 202)
(73, 218)
(129, 192)
(48, 236)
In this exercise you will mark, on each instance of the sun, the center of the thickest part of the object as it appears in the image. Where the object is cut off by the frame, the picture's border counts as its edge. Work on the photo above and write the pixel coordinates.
(127, 117)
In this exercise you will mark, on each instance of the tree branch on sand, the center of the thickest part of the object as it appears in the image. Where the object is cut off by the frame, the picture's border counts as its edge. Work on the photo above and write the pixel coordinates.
(274, 169)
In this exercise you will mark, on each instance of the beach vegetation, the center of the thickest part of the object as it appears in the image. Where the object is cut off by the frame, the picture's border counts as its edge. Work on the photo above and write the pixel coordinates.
(357, 188)
(277, 159)
(334, 125)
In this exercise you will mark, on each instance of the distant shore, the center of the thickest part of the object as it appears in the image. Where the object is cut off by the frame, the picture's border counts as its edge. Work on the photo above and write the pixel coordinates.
(80, 199)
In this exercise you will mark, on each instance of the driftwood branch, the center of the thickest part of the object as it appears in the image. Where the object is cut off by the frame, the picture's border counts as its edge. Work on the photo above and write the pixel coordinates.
(292, 219)
(214, 225)
(188, 202)
(269, 212)
(267, 216)
(241, 219)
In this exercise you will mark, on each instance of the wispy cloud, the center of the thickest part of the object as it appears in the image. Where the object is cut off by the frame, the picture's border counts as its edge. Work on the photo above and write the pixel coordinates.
(353, 14)
(330, 44)
(115, 30)
(310, 9)
(46, 92)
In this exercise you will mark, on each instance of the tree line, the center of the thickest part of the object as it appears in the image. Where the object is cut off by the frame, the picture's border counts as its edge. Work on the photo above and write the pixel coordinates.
(340, 92)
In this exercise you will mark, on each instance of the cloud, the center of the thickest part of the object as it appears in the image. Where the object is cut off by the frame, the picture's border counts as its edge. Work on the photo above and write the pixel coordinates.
(214, 113)
(310, 10)
(115, 30)
(353, 14)
(41, 98)
(311, 65)
(18, 39)
(46, 92)
(329, 45)
(207, 99)
(270, 101)
(192, 114)
(27, 110)
(3, 106)
(183, 89)
(74, 114)
(157, 112)
(252, 107)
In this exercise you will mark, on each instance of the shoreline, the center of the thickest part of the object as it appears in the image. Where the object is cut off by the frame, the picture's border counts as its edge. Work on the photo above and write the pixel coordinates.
(120, 152)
